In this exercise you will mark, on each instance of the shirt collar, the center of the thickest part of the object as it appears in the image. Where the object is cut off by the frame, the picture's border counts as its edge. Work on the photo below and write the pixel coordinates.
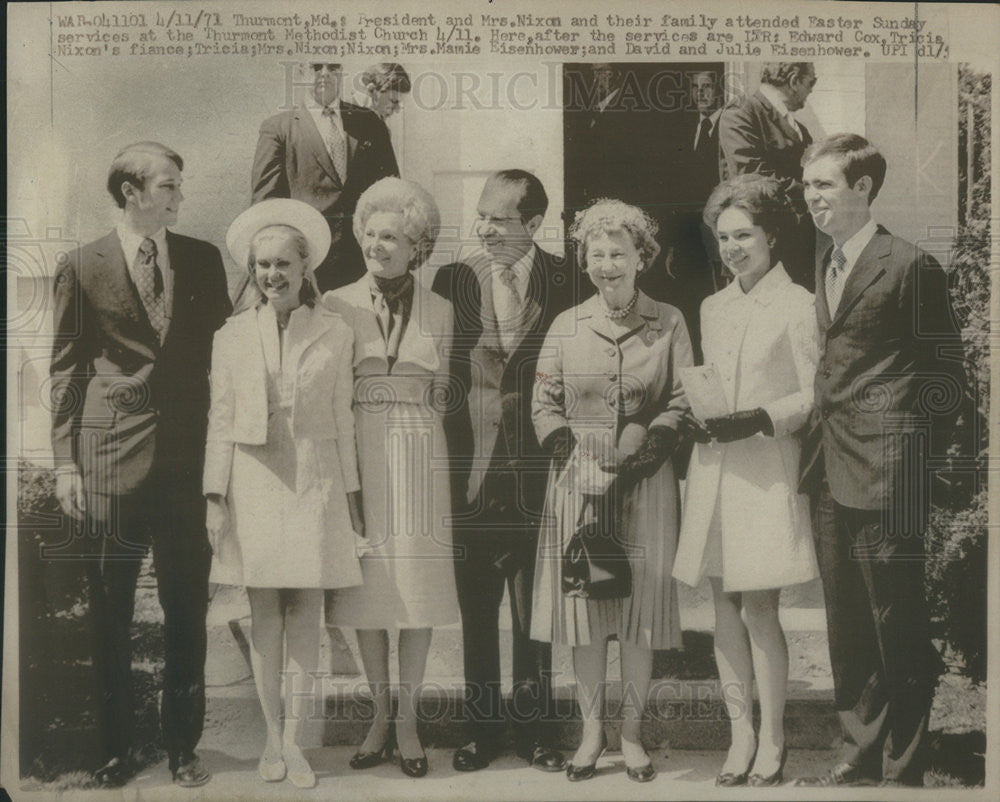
(856, 244)
(318, 110)
(775, 98)
(761, 292)
(522, 267)
(131, 241)
(712, 118)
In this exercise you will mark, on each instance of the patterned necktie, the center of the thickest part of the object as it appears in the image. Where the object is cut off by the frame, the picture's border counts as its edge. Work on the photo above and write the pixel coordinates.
(149, 282)
(335, 144)
(509, 310)
(835, 280)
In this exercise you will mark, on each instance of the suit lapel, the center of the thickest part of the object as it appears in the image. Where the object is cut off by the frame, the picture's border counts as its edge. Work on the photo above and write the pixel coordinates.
(369, 342)
(303, 330)
(350, 130)
(867, 270)
(314, 142)
(822, 305)
(779, 121)
(112, 276)
(183, 289)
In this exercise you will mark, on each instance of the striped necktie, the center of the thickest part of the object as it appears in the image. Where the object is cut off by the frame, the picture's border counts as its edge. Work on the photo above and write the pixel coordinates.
(835, 280)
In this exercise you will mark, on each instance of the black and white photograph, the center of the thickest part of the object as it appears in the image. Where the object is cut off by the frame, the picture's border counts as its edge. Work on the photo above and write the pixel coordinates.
(500, 400)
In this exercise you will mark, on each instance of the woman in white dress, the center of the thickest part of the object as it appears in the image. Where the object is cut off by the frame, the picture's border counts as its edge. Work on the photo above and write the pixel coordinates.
(745, 525)
(281, 475)
(402, 335)
(607, 391)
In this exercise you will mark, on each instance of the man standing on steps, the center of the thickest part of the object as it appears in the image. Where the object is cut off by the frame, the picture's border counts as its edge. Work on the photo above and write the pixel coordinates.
(886, 330)
(325, 152)
(761, 135)
(134, 316)
(504, 300)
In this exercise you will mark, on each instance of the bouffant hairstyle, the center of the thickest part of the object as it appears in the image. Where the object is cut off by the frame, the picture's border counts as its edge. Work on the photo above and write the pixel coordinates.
(421, 218)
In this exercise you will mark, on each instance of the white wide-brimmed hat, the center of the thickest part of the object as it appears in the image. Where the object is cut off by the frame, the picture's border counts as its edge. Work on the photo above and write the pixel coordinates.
(279, 212)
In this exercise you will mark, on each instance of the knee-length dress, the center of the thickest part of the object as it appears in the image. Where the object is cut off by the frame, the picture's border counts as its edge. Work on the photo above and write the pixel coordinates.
(281, 450)
(609, 384)
(409, 578)
(744, 520)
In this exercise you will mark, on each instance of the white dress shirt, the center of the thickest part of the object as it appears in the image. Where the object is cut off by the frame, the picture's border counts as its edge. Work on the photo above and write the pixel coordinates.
(508, 317)
(854, 246)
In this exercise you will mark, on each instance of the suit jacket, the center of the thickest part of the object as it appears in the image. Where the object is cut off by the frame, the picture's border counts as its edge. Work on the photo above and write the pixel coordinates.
(882, 388)
(292, 161)
(756, 139)
(499, 470)
(122, 401)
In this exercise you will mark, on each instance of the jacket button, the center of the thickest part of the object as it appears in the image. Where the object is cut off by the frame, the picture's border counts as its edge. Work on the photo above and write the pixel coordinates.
(611, 352)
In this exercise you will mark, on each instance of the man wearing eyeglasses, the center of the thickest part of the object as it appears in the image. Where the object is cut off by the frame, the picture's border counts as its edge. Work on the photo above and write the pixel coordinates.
(325, 152)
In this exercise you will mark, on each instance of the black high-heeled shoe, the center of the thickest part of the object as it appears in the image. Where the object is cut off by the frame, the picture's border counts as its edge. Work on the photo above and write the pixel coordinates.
(413, 767)
(728, 779)
(760, 781)
(577, 773)
(367, 760)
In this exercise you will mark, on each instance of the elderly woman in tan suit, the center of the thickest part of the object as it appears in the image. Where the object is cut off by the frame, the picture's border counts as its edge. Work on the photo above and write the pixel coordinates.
(607, 388)
(281, 470)
(745, 525)
(402, 335)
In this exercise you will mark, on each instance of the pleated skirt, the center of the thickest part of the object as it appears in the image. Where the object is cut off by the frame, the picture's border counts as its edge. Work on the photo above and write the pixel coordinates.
(649, 617)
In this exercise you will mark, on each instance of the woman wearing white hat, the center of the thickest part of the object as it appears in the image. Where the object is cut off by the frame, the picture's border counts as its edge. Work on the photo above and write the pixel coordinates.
(281, 472)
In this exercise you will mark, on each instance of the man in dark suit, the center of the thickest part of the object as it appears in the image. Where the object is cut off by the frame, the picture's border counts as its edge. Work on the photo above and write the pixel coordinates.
(504, 300)
(325, 152)
(693, 266)
(761, 135)
(134, 317)
(885, 323)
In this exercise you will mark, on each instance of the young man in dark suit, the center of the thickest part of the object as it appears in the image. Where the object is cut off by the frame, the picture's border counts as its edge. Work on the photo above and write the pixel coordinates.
(325, 152)
(504, 301)
(886, 330)
(761, 135)
(134, 317)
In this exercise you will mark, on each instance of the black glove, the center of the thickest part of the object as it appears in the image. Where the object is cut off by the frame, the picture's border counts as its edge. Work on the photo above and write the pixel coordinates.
(560, 444)
(740, 425)
(659, 444)
(691, 428)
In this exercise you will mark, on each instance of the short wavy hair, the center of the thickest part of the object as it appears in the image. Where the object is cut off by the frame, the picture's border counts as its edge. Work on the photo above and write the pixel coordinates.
(386, 77)
(764, 199)
(134, 164)
(780, 73)
(855, 154)
(606, 215)
(421, 218)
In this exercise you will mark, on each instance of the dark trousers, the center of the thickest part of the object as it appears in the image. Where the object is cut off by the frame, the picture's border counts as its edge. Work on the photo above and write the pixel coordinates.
(484, 565)
(885, 667)
(125, 527)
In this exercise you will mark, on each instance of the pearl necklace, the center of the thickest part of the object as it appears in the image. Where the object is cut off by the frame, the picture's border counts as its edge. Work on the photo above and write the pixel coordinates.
(618, 314)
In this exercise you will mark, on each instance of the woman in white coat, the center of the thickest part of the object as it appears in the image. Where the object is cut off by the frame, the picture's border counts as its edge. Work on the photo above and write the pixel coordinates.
(745, 526)
(281, 472)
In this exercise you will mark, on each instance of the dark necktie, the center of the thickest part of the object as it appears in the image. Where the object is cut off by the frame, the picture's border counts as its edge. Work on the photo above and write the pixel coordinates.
(704, 146)
(149, 282)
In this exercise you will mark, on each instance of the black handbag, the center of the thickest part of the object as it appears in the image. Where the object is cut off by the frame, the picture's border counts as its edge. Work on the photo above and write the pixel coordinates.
(594, 564)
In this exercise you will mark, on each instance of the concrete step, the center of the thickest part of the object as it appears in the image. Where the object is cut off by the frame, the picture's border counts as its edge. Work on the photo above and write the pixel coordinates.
(685, 710)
